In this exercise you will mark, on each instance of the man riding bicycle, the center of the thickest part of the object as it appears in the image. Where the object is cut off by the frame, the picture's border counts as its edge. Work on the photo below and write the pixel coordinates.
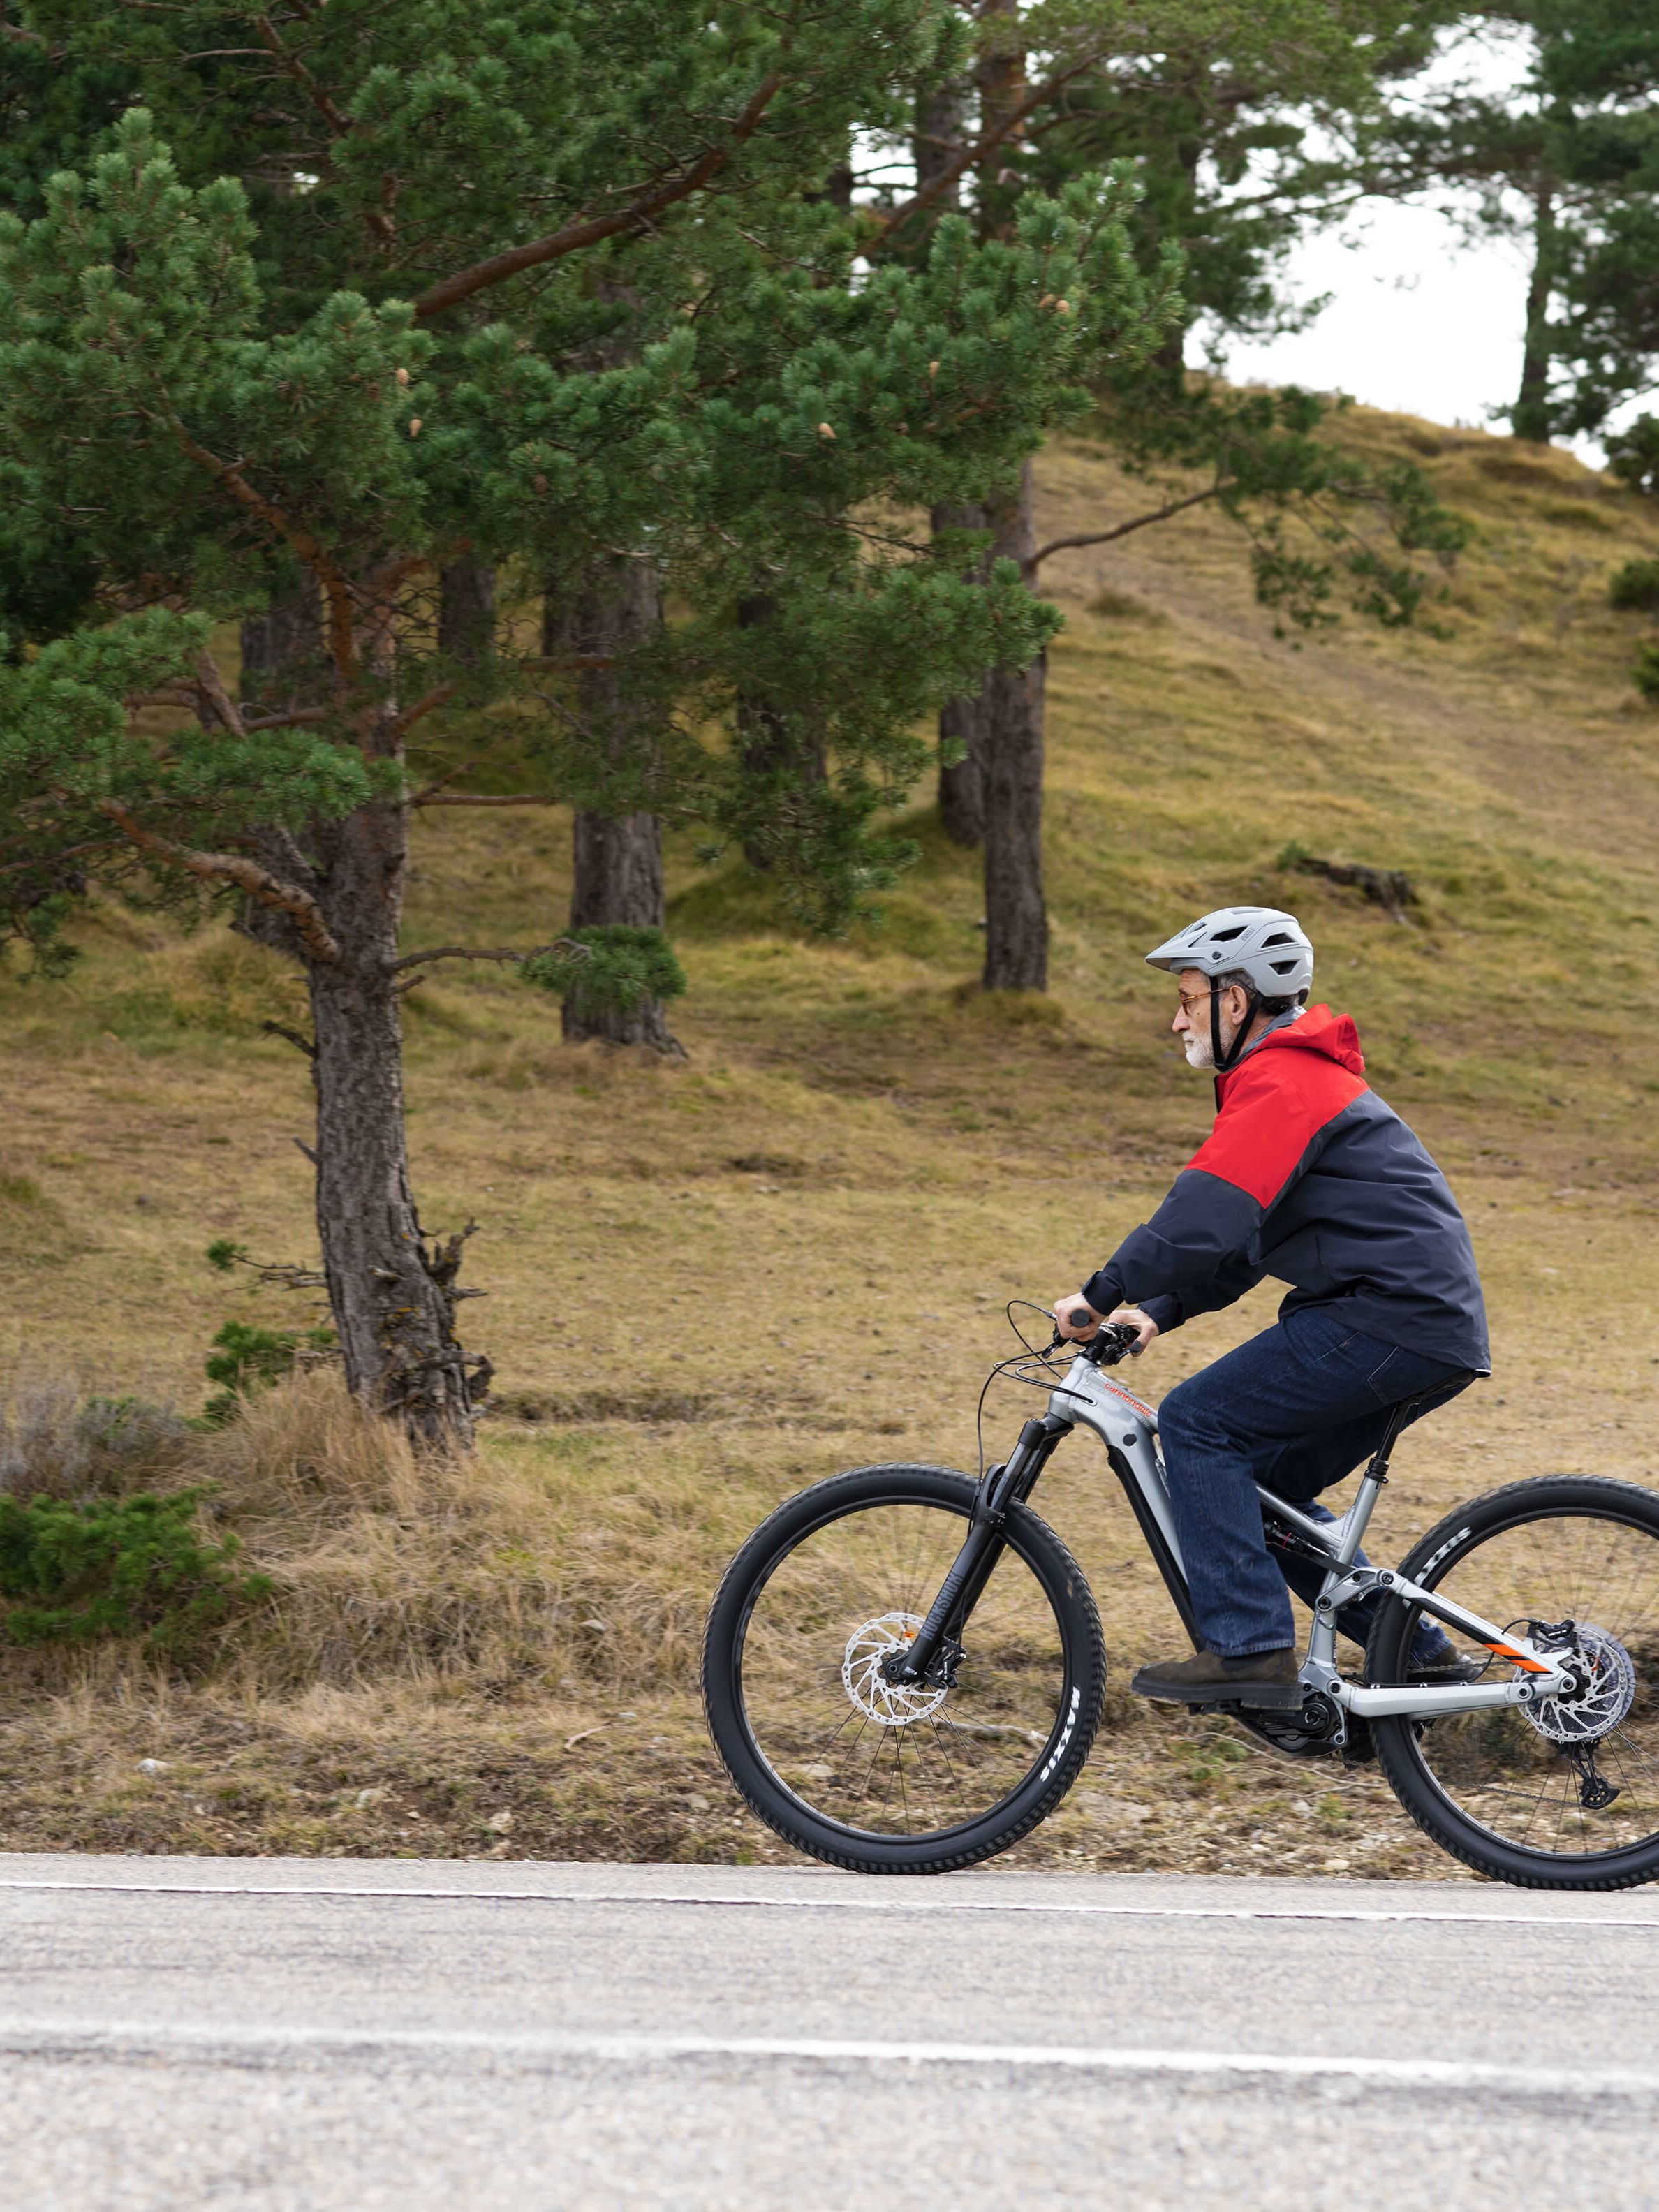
(1308, 1177)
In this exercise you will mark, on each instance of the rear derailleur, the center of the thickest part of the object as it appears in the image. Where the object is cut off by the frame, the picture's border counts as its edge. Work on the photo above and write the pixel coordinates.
(1595, 1792)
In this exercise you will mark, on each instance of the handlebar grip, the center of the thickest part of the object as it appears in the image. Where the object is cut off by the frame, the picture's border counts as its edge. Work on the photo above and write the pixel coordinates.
(1080, 1316)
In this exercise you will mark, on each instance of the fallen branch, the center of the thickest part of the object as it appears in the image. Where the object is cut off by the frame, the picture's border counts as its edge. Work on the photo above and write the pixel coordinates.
(1389, 888)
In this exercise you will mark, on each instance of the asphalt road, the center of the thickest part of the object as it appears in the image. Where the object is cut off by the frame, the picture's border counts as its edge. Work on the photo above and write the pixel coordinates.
(359, 2034)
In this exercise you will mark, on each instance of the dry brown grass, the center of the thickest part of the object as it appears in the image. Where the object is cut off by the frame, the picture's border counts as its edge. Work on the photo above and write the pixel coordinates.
(819, 1216)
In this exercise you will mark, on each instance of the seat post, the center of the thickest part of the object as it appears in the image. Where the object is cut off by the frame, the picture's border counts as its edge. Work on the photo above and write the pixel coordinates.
(1376, 1471)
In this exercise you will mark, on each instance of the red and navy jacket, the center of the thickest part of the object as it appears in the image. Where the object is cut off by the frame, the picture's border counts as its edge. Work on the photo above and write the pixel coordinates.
(1308, 1177)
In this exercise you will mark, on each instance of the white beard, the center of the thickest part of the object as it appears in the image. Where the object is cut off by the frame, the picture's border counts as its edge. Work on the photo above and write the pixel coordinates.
(1198, 1048)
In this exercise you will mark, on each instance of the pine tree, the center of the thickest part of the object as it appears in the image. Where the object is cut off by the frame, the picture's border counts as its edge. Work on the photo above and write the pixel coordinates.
(350, 336)
(1191, 96)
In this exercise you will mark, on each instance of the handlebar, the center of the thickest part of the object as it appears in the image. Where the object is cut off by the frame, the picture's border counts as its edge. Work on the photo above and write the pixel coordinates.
(1112, 1341)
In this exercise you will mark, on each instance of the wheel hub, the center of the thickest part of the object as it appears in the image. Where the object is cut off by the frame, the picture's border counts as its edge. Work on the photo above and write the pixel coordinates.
(1606, 1693)
(890, 1704)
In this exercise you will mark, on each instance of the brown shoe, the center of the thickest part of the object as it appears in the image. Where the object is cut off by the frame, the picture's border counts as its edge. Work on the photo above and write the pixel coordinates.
(1263, 1679)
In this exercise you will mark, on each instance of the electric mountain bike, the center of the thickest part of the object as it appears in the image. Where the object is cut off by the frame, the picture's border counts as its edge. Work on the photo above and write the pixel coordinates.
(903, 1668)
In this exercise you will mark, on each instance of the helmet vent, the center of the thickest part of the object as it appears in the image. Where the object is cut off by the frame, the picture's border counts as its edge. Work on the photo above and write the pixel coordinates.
(1283, 967)
(1226, 936)
(1279, 937)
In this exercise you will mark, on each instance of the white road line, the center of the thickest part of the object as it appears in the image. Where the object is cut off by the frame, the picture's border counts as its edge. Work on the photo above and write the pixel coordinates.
(877, 1902)
(209, 2041)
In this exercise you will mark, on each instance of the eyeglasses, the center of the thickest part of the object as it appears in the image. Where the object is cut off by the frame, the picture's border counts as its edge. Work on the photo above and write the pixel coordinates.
(1189, 1006)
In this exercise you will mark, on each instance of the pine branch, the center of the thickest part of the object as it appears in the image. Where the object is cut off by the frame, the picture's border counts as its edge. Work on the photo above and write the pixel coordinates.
(638, 215)
(971, 155)
(292, 66)
(292, 1037)
(435, 697)
(62, 852)
(264, 888)
(292, 719)
(334, 582)
(211, 685)
(1123, 529)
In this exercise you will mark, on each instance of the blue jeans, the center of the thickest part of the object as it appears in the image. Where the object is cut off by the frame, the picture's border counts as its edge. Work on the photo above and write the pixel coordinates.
(1296, 1409)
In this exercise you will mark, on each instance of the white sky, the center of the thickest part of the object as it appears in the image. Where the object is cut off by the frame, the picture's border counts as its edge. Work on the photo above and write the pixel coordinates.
(1420, 320)
(1424, 317)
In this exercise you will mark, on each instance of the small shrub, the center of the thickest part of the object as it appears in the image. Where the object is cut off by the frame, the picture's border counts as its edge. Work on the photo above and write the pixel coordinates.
(609, 968)
(247, 1358)
(115, 1567)
(1635, 587)
(1645, 673)
(54, 1443)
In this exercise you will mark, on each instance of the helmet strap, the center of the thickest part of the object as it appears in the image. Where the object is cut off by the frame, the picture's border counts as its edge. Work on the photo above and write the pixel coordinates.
(1223, 1061)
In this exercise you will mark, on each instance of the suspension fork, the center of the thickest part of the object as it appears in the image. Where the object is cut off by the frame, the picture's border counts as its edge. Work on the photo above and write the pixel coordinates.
(961, 1590)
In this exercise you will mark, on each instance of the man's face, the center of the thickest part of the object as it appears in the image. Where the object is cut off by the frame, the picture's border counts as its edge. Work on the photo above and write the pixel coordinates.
(1192, 1021)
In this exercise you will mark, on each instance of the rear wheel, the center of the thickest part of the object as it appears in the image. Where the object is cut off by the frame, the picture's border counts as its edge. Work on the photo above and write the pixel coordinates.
(883, 1777)
(1563, 1794)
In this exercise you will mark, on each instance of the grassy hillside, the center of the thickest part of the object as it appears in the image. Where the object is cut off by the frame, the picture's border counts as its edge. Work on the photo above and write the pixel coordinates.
(711, 1283)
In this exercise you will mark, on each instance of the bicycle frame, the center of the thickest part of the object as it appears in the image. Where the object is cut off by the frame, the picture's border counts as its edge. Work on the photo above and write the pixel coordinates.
(1127, 1427)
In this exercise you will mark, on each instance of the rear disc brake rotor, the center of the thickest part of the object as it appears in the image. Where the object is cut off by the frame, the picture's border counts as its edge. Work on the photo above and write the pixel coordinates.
(890, 1704)
(1585, 1716)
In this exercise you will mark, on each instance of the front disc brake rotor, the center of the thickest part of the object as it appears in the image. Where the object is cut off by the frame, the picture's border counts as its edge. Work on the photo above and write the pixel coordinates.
(1585, 1716)
(890, 1704)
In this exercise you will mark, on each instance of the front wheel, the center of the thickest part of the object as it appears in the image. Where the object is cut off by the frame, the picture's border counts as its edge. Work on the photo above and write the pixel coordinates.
(887, 1778)
(1562, 1793)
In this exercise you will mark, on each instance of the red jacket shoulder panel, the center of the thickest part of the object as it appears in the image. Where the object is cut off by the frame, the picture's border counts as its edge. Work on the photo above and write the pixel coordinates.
(1272, 1106)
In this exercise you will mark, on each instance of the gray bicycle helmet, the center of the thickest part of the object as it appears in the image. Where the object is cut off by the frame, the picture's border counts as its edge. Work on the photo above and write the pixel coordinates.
(1269, 947)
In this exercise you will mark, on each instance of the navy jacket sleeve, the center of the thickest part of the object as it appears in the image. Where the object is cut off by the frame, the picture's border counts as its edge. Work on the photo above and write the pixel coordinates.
(1198, 1237)
(1232, 1279)
(1275, 1109)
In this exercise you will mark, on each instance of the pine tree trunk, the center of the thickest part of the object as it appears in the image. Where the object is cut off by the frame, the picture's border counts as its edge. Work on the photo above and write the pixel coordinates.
(941, 114)
(393, 1297)
(1010, 723)
(466, 613)
(962, 721)
(961, 783)
(1530, 418)
(618, 876)
(1016, 919)
(283, 649)
(619, 879)
(770, 751)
